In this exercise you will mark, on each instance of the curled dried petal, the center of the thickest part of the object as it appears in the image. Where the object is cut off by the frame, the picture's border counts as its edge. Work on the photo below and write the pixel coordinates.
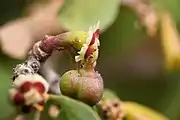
(95, 36)
(92, 38)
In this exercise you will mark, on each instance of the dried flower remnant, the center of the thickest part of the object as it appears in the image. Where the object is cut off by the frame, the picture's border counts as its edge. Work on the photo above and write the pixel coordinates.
(29, 91)
(170, 41)
(111, 109)
(89, 51)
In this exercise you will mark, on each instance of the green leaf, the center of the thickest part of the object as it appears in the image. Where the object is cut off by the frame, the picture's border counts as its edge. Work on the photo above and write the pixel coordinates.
(62, 115)
(121, 38)
(74, 110)
(81, 14)
(109, 94)
(6, 65)
(171, 6)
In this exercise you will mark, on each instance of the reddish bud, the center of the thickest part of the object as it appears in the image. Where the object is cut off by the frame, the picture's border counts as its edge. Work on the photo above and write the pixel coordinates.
(18, 99)
(39, 87)
(25, 87)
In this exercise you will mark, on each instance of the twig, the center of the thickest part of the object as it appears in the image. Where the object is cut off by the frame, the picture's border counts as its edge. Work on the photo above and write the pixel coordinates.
(19, 117)
(37, 115)
(39, 54)
(53, 78)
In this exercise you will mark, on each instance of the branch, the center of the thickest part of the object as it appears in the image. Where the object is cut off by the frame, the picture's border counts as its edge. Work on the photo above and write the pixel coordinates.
(30, 66)
(52, 77)
(39, 53)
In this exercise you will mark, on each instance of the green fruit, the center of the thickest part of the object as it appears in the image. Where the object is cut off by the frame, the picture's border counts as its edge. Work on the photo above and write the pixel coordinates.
(82, 85)
(68, 87)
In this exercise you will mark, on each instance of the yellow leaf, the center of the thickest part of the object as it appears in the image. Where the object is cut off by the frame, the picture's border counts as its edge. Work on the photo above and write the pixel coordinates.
(170, 41)
(135, 111)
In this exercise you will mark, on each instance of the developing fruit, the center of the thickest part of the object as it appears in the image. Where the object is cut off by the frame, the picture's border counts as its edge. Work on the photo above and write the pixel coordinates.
(82, 85)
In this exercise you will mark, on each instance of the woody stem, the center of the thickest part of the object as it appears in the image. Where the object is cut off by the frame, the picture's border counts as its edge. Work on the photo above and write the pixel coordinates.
(40, 52)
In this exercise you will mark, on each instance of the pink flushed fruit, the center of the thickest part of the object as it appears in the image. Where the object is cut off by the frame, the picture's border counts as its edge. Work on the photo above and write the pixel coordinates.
(82, 85)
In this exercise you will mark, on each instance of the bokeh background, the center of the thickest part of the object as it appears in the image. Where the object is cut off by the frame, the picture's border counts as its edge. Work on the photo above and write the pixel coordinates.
(131, 62)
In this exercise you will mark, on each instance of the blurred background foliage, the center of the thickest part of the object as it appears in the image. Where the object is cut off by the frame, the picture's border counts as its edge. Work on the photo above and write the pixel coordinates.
(131, 62)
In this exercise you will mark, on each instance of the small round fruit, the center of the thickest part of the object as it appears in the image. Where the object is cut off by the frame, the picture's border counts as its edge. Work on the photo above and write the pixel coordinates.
(69, 82)
(82, 85)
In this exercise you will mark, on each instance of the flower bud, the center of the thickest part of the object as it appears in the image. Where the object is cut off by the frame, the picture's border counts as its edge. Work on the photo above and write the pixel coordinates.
(29, 92)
